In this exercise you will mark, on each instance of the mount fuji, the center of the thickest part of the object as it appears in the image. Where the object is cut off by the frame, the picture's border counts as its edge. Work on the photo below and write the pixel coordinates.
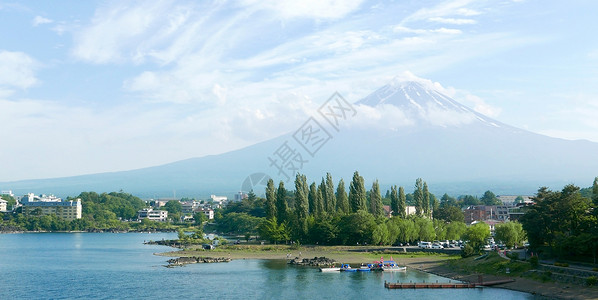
(402, 131)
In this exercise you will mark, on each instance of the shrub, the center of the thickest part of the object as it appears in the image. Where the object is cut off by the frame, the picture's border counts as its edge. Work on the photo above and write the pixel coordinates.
(513, 256)
(592, 280)
(467, 251)
(534, 261)
(560, 264)
(595, 269)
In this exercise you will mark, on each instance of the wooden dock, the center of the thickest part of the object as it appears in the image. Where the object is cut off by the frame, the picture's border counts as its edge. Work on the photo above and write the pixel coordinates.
(445, 285)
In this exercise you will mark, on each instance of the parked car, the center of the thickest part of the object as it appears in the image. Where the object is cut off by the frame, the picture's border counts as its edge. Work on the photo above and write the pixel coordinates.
(425, 245)
(437, 246)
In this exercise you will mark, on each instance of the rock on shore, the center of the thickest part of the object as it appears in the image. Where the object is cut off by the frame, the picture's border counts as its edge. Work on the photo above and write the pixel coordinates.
(181, 261)
(315, 262)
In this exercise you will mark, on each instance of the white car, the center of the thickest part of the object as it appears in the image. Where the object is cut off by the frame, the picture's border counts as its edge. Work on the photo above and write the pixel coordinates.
(437, 246)
(425, 245)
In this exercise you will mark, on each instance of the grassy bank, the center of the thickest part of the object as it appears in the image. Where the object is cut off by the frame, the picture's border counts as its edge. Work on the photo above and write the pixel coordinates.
(344, 254)
(494, 267)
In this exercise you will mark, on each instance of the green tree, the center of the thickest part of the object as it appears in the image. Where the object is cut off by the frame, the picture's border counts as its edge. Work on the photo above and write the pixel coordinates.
(312, 199)
(11, 201)
(357, 228)
(449, 214)
(281, 203)
(270, 230)
(402, 203)
(595, 193)
(510, 233)
(455, 230)
(381, 235)
(425, 229)
(270, 199)
(447, 200)
(199, 218)
(301, 204)
(330, 197)
(426, 200)
(394, 201)
(324, 232)
(476, 235)
(490, 199)
(357, 194)
(376, 207)
(407, 232)
(418, 197)
(342, 201)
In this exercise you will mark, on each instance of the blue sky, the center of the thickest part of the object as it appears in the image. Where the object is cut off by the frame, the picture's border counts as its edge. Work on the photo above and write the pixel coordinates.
(96, 86)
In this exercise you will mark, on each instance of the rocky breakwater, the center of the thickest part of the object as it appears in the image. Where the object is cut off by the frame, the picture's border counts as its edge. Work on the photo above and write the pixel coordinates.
(181, 261)
(314, 262)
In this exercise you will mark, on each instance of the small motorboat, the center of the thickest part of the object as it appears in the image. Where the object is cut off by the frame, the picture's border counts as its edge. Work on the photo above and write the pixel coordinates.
(365, 268)
(347, 268)
(393, 268)
(330, 269)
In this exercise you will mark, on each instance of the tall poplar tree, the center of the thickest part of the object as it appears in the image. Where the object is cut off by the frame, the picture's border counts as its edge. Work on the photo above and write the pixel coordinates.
(270, 199)
(376, 207)
(320, 201)
(281, 203)
(357, 194)
(595, 193)
(312, 198)
(394, 200)
(426, 200)
(418, 196)
(402, 203)
(330, 197)
(342, 201)
(323, 195)
(301, 203)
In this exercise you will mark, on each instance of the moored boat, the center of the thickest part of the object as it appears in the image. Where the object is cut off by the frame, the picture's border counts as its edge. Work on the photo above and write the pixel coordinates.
(393, 268)
(347, 268)
(330, 269)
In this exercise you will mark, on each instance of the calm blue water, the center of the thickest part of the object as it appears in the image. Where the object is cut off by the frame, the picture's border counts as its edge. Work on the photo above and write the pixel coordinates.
(120, 266)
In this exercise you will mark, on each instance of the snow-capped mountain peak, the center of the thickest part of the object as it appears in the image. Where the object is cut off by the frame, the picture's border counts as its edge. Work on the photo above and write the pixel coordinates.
(424, 103)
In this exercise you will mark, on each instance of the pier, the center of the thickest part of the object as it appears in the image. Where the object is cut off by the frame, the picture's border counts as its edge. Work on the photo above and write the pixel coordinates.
(444, 285)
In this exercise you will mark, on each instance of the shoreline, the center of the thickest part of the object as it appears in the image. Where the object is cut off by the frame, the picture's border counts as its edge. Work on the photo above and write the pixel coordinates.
(550, 289)
(429, 263)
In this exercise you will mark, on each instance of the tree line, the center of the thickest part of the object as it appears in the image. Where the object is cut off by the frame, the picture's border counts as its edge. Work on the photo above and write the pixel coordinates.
(564, 223)
(105, 211)
(322, 213)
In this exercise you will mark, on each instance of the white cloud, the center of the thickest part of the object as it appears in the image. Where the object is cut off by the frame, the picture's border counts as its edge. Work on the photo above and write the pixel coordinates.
(318, 9)
(124, 31)
(447, 8)
(467, 12)
(452, 21)
(17, 70)
(479, 105)
(39, 20)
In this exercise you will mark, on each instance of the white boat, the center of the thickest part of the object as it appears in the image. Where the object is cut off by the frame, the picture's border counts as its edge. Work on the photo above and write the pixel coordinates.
(330, 269)
(393, 268)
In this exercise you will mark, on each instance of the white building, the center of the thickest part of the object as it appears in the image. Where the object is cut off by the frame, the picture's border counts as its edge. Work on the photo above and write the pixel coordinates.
(208, 212)
(509, 200)
(47, 205)
(219, 199)
(240, 196)
(151, 214)
(190, 207)
(3, 205)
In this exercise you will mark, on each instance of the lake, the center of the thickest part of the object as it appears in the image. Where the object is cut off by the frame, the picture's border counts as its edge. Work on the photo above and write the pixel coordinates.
(119, 266)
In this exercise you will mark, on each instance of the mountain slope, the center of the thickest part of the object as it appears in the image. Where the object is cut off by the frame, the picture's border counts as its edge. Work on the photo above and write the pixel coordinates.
(415, 131)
